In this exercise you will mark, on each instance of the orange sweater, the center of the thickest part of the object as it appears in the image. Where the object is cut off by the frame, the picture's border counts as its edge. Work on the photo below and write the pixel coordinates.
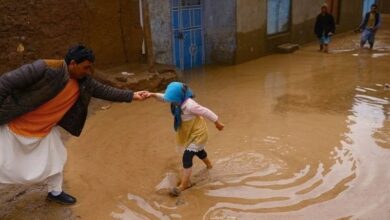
(40, 121)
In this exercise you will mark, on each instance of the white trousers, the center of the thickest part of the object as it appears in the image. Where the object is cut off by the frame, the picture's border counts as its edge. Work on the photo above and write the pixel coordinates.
(26, 160)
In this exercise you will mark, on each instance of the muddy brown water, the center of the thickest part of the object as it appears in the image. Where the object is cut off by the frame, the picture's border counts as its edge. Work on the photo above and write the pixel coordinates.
(307, 136)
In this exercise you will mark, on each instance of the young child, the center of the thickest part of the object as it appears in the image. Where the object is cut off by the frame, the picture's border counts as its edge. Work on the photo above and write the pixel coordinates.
(190, 127)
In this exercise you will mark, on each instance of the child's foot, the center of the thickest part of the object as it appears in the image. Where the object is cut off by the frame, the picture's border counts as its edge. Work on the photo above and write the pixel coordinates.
(207, 162)
(177, 190)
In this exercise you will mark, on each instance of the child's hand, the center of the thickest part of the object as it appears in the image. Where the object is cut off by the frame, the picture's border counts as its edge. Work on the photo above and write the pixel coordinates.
(219, 125)
(147, 95)
(139, 95)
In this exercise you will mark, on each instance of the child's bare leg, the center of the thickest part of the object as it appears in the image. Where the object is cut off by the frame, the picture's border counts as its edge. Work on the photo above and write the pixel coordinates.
(185, 179)
(207, 162)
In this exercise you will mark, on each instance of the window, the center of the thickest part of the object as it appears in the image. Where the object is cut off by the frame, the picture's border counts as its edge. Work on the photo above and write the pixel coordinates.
(278, 16)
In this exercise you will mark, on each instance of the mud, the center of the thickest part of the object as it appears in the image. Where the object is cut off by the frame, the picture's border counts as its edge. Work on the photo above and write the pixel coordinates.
(307, 137)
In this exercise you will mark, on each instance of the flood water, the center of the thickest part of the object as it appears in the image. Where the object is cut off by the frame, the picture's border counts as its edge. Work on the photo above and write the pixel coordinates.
(307, 136)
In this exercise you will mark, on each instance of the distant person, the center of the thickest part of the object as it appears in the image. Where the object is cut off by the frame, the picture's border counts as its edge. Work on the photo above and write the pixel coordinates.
(190, 127)
(369, 26)
(324, 28)
(34, 100)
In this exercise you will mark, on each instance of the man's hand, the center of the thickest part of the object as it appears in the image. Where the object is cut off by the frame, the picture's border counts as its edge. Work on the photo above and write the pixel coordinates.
(140, 95)
(219, 125)
(148, 94)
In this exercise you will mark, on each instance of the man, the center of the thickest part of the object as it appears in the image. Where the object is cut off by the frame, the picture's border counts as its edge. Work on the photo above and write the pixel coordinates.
(369, 26)
(34, 100)
(324, 28)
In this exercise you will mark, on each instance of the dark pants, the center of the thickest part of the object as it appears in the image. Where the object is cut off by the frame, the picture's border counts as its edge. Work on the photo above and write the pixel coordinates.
(188, 155)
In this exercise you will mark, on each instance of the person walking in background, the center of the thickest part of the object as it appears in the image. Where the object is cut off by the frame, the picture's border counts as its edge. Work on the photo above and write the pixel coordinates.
(190, 127)
(34, 100)
(324, 28)
(369, 26)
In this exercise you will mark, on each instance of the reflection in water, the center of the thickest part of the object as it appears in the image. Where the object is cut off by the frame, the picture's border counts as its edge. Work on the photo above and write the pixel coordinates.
(367, 116)
(242, 188)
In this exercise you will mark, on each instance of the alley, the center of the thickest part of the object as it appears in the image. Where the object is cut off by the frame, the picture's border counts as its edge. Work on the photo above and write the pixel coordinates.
(307, 136)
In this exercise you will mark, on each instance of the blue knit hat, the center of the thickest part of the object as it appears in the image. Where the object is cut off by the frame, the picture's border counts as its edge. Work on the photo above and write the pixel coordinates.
(176, 93)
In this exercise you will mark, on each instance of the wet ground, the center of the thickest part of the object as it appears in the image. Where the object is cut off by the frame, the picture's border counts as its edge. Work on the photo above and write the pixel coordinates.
(307, 136)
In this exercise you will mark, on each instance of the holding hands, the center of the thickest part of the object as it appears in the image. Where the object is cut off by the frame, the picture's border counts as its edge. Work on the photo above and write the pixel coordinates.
(142, 95)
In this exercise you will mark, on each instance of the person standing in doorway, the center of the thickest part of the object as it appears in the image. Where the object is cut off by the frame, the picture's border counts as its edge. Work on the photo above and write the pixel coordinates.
(369, 26)
(324, 28)
(34, 100)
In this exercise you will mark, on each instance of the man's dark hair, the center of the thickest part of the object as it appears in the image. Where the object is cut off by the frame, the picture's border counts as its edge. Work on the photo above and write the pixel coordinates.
(374, 5)
(79, 53)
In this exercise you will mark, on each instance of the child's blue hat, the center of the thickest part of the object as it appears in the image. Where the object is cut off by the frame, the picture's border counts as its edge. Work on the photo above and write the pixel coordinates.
(177, 93)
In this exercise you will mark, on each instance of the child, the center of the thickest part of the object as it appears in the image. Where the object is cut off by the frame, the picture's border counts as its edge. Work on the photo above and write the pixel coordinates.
(190, 127)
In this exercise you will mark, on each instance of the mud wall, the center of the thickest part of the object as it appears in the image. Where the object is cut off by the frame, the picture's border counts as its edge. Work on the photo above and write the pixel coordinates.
(161, 25)
(220, 31)
(113, 30)
(35, 29)
(384, 6)
(350, 15)
(32, 29)
(251, 29)
(304, 14)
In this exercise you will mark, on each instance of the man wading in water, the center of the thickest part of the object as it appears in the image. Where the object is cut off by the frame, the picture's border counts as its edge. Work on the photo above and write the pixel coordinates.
(34, 100)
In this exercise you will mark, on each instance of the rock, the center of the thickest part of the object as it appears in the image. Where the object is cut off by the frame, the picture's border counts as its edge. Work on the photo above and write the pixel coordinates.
(121, 78)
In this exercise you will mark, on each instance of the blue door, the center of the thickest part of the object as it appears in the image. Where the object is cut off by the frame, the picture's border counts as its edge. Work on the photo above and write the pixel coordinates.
(367, 6)
(187, 33)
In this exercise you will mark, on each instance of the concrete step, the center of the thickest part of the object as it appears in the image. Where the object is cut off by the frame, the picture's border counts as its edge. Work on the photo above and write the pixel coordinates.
(287, 48)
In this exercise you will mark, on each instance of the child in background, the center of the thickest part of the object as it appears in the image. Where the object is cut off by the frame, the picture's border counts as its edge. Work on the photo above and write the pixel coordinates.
(190, 127)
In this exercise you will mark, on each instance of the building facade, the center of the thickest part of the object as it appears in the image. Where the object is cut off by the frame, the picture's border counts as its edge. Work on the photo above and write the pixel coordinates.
(190, 33)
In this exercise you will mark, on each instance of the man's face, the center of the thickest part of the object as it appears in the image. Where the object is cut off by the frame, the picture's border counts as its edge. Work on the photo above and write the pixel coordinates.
(80, 70)
(373, 9)
(324, 9)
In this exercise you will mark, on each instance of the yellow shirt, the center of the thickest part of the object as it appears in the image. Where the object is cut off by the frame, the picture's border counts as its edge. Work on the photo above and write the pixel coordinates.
(193, 131)
(371, 21)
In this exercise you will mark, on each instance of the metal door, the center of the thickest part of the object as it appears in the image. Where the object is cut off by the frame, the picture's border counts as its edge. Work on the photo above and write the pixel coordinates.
(187, 33)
